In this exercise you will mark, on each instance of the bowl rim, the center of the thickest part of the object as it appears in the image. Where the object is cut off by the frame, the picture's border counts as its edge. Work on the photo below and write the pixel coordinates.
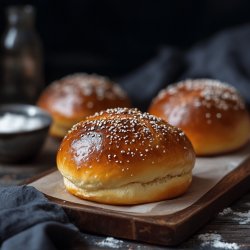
(15, 106)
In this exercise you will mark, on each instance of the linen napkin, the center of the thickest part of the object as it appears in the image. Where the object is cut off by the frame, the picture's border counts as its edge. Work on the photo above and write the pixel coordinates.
(29, 221)
(225, 57)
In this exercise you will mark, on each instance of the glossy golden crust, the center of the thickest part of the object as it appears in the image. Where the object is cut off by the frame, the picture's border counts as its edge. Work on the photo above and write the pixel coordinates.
(72, 98)
(113, 156)
(212, 114)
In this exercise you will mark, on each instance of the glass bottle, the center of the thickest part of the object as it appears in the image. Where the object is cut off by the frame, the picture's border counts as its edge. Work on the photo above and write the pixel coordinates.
(21, 57)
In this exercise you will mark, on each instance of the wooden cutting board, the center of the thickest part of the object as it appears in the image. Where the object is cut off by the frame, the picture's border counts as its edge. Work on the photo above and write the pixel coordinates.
(160, 227)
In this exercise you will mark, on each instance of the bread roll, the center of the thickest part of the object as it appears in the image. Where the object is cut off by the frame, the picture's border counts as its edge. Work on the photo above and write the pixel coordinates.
(122, 156)
(211, 113)
(72, 98)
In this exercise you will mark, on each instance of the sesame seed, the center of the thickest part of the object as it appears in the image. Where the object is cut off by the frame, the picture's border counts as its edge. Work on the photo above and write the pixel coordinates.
(213, 93)
(218, 115)
(120, 127)
(208, 115)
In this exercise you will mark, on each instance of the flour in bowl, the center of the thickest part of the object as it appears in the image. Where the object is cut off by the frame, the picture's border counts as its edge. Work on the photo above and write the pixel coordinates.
(10, 122)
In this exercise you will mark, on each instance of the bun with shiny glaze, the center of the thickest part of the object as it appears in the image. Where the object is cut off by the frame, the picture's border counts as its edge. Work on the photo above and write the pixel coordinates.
(123, 156)
(72, 98)
(211, 113)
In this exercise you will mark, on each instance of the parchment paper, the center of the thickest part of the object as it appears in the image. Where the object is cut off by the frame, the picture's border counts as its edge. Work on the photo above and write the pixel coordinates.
(206, 174)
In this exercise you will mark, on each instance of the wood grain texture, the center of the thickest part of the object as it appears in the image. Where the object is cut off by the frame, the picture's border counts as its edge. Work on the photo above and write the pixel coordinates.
(161, 230)
(227, 226)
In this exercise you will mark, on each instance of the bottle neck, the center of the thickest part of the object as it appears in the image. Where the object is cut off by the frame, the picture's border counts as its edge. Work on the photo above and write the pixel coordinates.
(20, 17)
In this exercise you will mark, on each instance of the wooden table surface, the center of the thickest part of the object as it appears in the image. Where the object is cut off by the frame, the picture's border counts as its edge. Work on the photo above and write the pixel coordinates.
(230, 229)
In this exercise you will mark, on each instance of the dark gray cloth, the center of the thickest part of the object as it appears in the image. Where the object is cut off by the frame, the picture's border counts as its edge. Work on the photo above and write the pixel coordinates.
(29, 221)
(225, 57)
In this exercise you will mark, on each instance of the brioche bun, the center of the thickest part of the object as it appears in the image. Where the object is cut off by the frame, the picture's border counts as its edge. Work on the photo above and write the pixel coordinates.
(122, 156)
(211, 113)
(72, 98)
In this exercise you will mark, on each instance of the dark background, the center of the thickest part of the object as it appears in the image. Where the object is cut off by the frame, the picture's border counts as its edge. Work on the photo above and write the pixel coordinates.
(114, 37)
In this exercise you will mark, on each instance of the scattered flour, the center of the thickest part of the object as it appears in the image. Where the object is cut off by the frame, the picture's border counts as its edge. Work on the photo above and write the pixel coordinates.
(110, 242)
(242, 217)
(226, 211)
(215, 240)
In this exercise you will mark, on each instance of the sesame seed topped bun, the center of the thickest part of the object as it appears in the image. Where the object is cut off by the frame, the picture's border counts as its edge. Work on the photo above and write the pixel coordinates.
(124, 156)
(211, 113)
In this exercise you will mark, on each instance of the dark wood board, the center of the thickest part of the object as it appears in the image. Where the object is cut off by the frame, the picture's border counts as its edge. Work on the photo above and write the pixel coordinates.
(164, 229)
